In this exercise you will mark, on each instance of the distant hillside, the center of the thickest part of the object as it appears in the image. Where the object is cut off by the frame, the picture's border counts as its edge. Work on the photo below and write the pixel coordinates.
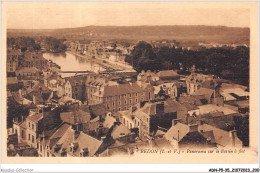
(219, 34)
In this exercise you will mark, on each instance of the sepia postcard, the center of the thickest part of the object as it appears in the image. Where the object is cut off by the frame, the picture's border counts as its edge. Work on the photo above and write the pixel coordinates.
(129, 82)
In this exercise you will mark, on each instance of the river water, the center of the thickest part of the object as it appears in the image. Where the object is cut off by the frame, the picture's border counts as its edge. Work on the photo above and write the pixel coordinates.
(70, 62)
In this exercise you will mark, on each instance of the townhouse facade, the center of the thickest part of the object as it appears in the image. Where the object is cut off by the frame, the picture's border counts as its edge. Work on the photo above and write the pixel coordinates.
(196, 81)
(13, 59)
(122, 96)
(74, 88)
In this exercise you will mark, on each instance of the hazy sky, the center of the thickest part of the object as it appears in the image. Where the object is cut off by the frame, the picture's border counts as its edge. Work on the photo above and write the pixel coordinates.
(49, 16)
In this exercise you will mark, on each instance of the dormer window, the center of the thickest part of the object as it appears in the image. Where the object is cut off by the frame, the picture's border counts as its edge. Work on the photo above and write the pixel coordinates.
(64, 152)
(57, 148)
(74, 147)
(84, 152)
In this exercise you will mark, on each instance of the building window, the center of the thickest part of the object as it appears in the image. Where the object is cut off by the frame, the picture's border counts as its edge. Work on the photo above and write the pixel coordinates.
(22, 134)
(29, 137)
(119, 103)
(130, 101)
(125, 102)
(136, 100)
(32, 126)
(119, 109)
(130, 95)
(136, 94)
(113, 104)
(29, 124)
(119, 96)
(32, 139)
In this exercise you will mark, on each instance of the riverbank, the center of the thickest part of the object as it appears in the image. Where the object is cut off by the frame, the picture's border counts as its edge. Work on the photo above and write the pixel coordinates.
(106, 64)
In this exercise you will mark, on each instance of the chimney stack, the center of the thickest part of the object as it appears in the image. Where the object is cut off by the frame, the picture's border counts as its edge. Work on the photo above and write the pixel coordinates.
(76, 134)
(20, 92)
(193, 128)
(175, 121)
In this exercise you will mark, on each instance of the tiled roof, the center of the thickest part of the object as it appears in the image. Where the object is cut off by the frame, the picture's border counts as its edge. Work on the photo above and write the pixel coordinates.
(76, 80)
(177, 132)
(28, 152)
(238, 91)
(98, 109)
(172, 106)
(204, 91)
(149, 108)
(86, 141)
(75, 117)
(222, 137)
(58, 134)
(161, 143)
(120, 130)
(12, 80)
(35, 117)
(109, 122)
(232, 86)
(23, 124)
(17, 97)
(28, 70)
(14, 52)
(210, 108)
(167, 73)
(65, 141)
(209, 135)
(120, 89)
(38, 96)
(41, 86)
(190, 106)
(187, 99)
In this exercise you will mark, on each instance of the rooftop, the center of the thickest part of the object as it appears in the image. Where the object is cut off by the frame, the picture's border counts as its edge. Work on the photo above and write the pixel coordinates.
(210, 108)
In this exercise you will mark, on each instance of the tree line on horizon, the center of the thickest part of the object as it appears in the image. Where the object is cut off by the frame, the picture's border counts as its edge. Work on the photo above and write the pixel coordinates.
(226, 62)
(28, 43)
